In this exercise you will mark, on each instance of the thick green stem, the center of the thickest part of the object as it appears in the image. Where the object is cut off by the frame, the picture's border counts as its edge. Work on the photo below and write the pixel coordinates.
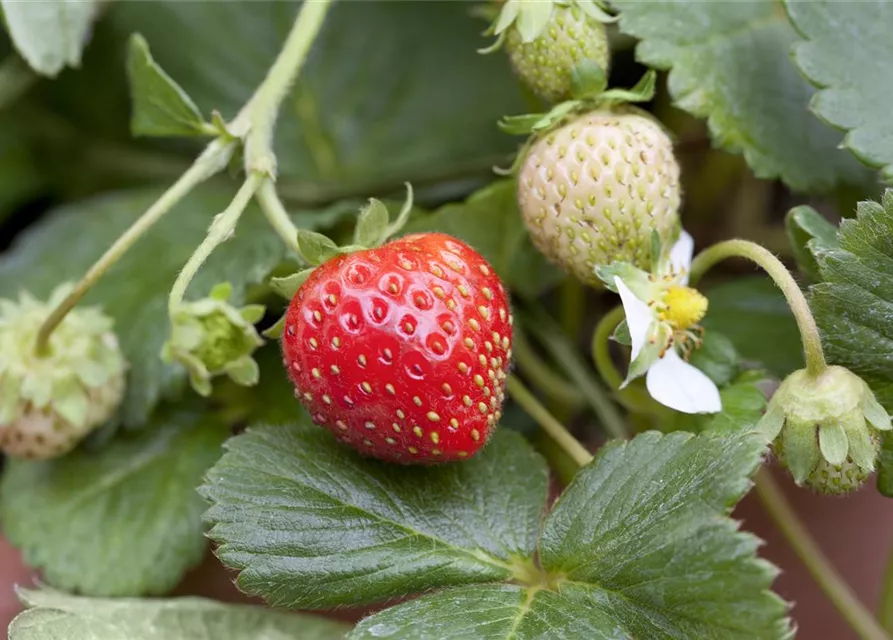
(261, 112)
(540, 374)
(221, 230)
(821, 569)
(210, 162)
(547, 421)
(809, 332)
(277, 216)
(601, 354)
(885, 607)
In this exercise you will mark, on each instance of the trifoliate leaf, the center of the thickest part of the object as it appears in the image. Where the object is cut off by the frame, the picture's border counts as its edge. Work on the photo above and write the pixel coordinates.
(159, 106)
(637, 547)
(433, 100)
(134, 292)
(641, 535)
(807, 231)
(50, 35)
(854, 81)
(309, 523)
(730, 63)
(853, 304)
(489, 221)
(753, 314)
(122, 521)
(53, 615)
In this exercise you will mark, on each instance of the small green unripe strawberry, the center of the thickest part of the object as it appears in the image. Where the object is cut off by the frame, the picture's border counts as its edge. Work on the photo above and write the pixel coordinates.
(592, 191)
(545, 64)
(50, 401)
(837, 479)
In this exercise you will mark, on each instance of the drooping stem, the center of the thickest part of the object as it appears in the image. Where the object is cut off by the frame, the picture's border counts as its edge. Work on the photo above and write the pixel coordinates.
(221, 230)
(821, 569)
(885, 608)
(261, 112)
(277, 216)
(600, 352)
(540, 374)
(210, 162)
(562, 437)
(809, 332)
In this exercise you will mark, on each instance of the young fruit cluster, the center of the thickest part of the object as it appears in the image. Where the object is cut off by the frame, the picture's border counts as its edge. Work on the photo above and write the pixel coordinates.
(49, 401)
(593, 191)
(402, 351)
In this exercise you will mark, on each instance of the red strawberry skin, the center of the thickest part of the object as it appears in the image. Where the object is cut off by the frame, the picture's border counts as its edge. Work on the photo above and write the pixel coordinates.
(402, 351)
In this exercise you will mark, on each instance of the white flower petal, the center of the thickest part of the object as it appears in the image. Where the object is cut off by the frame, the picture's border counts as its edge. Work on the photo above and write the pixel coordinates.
(678, 385)
(681, 254)
(638, 317)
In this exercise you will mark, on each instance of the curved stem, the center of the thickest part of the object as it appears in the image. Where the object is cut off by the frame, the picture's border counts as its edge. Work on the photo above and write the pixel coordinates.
(210, 162)
(821, 569)
(276, 214)
(261, 112)
(885, 607)
(809, 332)
(221, 230)
(547, 421)
(540, 374)
(600, 351)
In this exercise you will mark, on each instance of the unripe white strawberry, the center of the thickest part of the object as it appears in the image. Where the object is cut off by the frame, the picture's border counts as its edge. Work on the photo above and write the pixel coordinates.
(593, 191)
(546, 63)
(50, 401)
(836, 479)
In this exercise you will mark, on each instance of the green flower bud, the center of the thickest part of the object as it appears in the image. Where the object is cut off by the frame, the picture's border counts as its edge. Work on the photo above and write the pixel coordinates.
(826, 429)
(50, 401)
(210, 337)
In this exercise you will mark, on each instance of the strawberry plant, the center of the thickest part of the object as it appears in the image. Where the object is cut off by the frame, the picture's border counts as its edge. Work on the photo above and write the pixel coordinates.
(444, 320)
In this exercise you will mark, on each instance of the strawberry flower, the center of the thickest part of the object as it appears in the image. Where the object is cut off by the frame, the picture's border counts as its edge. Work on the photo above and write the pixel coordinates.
(662, 315)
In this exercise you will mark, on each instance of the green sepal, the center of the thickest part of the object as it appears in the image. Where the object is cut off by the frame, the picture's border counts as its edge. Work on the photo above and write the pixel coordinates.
(288, 286)
(655, 344)
(772, 422)
(588, 80)
(621, 334)
(372, 225)
(833, 443)
(875, 413)
(862, 449)
(643, 91)
(316, 248)
(538, 122)
(244, 371)
(275, 332)
(637, 280)
(801, 451)
(252, 313)
(532, 18)
(220, 125)
(595, 11)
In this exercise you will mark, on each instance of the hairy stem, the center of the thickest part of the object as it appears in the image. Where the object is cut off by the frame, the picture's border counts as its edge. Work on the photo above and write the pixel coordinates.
(821, 569)
(210, 162)
(261, 112)
(562, 437)
(221, 230)
(277, 216)
(809, 332)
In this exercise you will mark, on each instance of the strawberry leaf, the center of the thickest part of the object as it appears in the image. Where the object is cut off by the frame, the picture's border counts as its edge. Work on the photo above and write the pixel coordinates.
(755, 103)
(638, 546)
(854, 81)
(853, 304)
(160, 106)
(753, 315)
(489, 221)
(53, 614)
(808, 231)
(433, 100)
(309, 523)
(50, 35)
(122, 521)
(135, 291)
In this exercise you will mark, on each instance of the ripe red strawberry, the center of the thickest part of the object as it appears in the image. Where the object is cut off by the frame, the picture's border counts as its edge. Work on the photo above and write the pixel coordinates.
(402, 351)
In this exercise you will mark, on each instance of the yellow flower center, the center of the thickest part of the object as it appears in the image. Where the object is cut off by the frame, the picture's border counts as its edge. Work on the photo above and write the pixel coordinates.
(684, 307)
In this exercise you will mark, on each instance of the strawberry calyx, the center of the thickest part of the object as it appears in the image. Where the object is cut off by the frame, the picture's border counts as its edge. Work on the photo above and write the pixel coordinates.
(373, 229)
(531, 18)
